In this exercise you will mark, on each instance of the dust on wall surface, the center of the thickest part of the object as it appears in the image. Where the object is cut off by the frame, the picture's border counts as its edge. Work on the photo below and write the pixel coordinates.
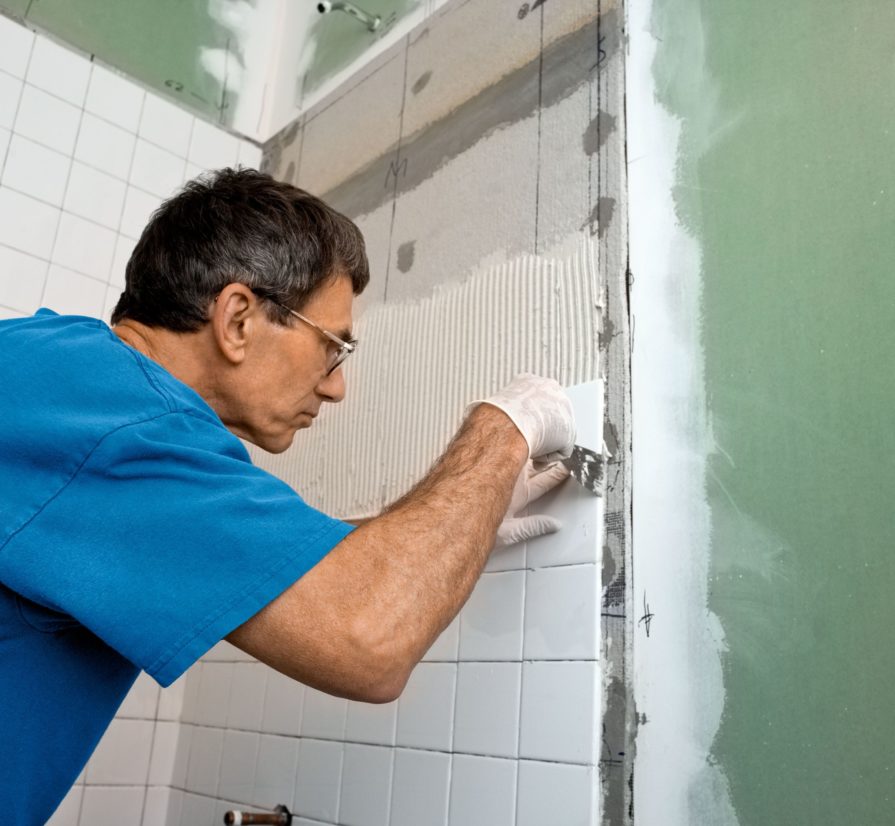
(777, 251)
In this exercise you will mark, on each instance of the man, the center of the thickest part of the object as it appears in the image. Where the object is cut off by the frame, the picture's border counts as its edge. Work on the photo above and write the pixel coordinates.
(134, 531)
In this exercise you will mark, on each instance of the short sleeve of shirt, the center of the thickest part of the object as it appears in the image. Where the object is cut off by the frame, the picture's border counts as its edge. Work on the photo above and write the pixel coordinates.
(165, 539)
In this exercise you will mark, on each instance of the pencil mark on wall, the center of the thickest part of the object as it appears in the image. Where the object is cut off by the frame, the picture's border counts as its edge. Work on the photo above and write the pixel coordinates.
(421, 82)
(396, 169)
(648, 616)
(406, 254)
(290, 173)
(526, 8)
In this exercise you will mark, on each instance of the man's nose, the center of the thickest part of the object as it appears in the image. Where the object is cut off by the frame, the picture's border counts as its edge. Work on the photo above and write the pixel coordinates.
(332, 387)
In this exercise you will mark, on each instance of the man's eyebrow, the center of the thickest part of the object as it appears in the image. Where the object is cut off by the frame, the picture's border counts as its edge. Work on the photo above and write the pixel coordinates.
(345, 334)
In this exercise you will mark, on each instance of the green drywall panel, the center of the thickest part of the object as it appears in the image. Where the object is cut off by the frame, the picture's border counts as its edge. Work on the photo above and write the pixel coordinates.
(157, 43)
(339, 39)
(786, 178)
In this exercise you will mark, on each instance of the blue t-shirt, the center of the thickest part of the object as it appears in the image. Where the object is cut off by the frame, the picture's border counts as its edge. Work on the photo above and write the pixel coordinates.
(135, 533)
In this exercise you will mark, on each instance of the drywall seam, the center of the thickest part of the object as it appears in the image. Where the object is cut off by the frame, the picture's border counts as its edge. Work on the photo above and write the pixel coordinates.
(677, 643)
(420, 362)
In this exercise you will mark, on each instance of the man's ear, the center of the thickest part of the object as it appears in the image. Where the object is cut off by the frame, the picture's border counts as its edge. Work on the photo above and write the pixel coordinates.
(234, 316)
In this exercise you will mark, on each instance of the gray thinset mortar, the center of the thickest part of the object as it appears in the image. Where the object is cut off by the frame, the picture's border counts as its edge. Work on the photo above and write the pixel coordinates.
(421, 362)
(511, 99)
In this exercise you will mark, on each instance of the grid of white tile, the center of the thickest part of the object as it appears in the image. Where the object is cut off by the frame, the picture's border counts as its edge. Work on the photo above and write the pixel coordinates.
(499, 722)
(85, 157)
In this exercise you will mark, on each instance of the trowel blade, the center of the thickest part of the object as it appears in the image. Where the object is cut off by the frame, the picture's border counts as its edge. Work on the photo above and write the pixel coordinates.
(586, 467)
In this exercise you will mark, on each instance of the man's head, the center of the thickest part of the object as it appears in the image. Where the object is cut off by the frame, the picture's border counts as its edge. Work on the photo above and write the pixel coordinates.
(209, 290)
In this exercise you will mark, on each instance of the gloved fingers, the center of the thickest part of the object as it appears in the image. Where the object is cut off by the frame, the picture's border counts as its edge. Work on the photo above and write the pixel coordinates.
(521, 528)
(545, 479)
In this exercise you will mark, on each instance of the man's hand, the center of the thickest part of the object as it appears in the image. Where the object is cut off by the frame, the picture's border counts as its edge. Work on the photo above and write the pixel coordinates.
(532, 484)
(542, 413)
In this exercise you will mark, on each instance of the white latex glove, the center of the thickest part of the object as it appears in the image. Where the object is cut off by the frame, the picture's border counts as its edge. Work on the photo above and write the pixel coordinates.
(541, 411)
(531, 485)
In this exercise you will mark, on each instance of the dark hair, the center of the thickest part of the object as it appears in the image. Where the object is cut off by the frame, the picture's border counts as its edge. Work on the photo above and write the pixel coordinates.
(237, 225)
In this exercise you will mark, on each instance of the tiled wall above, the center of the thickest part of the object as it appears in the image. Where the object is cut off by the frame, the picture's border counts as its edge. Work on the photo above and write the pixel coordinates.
(85, 157)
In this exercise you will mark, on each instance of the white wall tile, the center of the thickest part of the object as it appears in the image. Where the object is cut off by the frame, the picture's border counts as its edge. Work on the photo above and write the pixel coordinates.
(6, 312)
(426, 707)
(191, 693)
(562, 613)
(559, 708)
(579, 541)
(283, 701)
(366, 786)
(247, 696)
(104, 806)
(166, 125)
(21, 280)
(555, 793)
(47, 120)
(318, 779)
(511, 558)
(249, 155)
(113, 293)
(420, 794)
(211, 147)
(138, 209)
(323, 715)
(26, 224)
(372, 723)
(59, 71)
(238, 762)
(491, 621)
(10, 92)
(122, 756)
(114, 98)
(84, 246)
(5, 135)
(67, 812)
(105, 146)
(445, 648)
(487, 719)
(196, 810)
(157, 807)
(275, 774)
(156, 170)
(483, 792)
(15, 47)
(164, 753)
(141, 701)
(36, 170)
(206, 748)
(182, 758)
(213, 701)
(170, 703)
(93, 194)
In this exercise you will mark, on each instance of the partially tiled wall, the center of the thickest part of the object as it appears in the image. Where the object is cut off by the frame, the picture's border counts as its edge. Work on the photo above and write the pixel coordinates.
(491, 132)
(85, 156)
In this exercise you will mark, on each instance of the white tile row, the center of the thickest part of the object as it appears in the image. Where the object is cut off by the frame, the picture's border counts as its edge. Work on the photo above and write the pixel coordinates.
(537, 710)
(385, 787)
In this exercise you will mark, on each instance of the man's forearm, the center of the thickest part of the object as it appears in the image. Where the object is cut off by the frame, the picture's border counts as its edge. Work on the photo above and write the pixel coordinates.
(423, 556)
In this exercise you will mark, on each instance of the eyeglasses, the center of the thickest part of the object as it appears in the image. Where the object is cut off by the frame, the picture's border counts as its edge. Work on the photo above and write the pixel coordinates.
(334, 357)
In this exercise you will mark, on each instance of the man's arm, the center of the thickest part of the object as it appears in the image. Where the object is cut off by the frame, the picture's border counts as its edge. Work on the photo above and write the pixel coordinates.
(358, 622)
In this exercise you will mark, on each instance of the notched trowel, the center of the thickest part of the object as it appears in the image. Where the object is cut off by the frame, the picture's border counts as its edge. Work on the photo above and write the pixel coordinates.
(586, 467)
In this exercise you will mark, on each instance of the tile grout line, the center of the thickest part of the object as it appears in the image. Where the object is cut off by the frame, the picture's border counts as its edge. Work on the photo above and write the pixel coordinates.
(540, 118)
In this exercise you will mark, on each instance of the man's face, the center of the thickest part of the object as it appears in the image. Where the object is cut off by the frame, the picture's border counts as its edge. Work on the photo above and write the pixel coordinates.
(283, 381)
